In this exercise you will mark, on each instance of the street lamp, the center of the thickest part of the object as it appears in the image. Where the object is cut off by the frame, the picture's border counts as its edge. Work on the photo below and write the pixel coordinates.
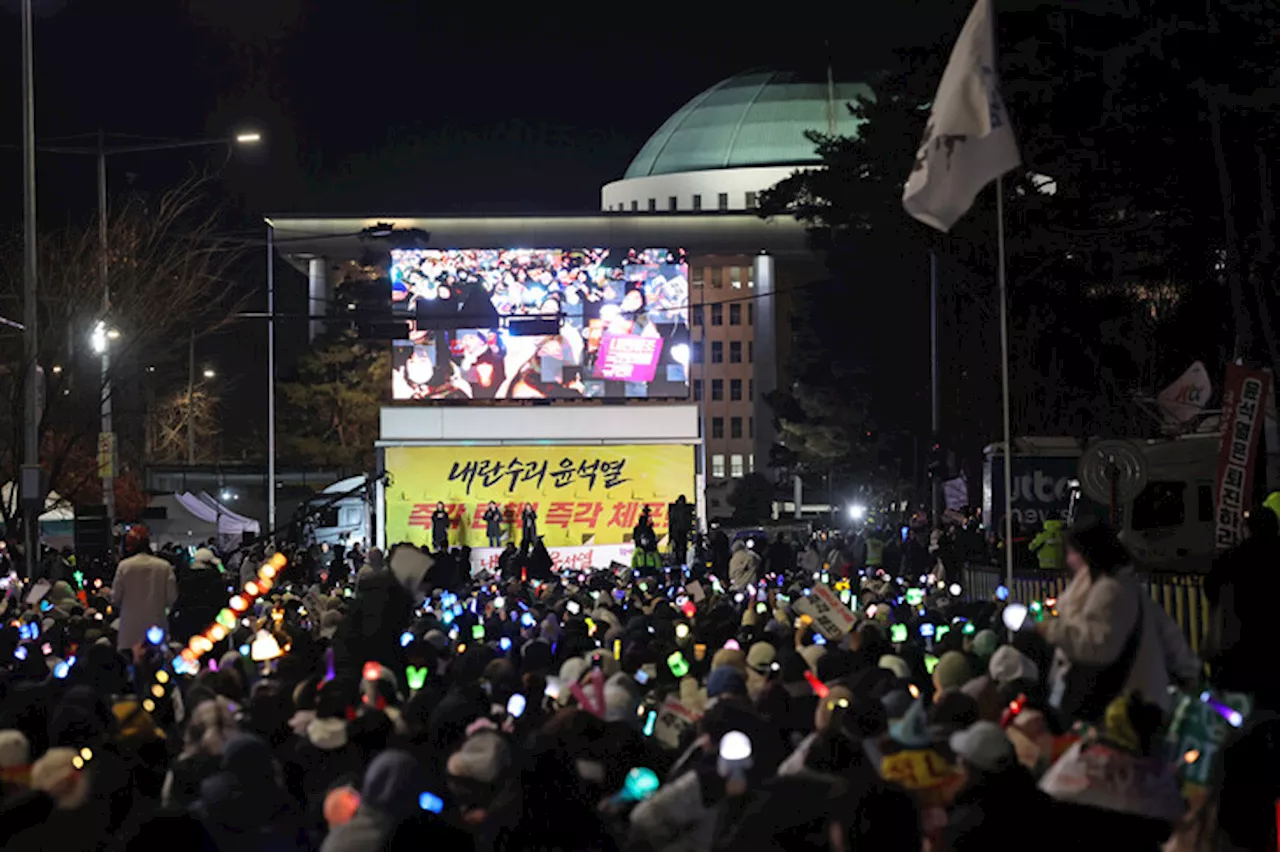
(209, 373)
(101, 151)
(100, 340)
(857, 511)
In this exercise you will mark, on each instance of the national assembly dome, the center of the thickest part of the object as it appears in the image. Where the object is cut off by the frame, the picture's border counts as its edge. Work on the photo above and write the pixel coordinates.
(738, 137)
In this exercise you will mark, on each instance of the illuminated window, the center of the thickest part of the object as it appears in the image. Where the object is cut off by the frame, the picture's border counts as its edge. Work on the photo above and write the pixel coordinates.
(735, 427)
(751, 463)
(735, 314)
(735, 277)
(735, 390)
(673, 203)
(653, 205)
(697, 202)
(717, 427)
(717, 390)
(751, 200)
(736, 469)
(717, 314)
(717, 352)
(717, 466)
(735, 351)
(699, 275)
(722, 201)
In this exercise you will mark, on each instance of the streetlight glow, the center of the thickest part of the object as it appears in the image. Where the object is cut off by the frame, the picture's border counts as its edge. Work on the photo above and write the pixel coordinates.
(857, 511)
(98, 338)
(249, 138)
(209, 373)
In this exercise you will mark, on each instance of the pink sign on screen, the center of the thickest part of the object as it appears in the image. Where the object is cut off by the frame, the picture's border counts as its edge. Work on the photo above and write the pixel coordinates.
(628, 358)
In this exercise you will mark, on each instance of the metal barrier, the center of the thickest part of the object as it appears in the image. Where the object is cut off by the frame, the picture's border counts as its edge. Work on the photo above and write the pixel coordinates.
(1181, 595)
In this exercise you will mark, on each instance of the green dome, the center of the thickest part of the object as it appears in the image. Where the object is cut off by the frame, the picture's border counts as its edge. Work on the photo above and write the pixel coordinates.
(752, 119)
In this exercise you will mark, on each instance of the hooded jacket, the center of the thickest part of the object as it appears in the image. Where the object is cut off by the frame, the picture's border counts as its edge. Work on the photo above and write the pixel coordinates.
(143, 590)
(243, 807)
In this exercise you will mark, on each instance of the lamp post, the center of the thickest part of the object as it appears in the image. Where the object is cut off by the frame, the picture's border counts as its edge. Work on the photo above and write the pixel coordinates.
(106, 437)
(31, 490)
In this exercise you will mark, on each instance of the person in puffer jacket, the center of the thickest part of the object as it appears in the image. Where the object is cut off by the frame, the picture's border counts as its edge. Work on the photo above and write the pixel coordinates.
(324, 757)
(388, 797)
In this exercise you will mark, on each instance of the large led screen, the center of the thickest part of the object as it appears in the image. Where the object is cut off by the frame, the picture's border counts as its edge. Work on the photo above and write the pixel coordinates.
(622, 317)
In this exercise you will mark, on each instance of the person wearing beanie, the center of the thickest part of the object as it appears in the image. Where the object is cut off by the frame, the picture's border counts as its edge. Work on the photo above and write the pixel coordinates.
(80, 821)
(731, 657)
(951, 672)
(910, 759)
(143, 591)
(984, 644)
(389, 795)
(210, 726)
(725, 681)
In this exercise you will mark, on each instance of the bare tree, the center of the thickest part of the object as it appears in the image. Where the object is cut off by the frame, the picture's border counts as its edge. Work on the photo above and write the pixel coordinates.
(168, 277)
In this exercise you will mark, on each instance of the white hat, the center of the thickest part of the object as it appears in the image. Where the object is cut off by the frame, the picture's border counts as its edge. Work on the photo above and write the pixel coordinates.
(983, 745)
(1009, 664)
(54, 774)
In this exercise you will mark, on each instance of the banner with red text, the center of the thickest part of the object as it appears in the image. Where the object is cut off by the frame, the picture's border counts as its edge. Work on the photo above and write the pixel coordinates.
(1244, 406)
(584, 495)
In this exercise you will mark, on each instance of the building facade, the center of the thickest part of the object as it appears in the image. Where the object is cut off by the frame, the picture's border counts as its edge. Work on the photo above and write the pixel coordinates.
(692, 187)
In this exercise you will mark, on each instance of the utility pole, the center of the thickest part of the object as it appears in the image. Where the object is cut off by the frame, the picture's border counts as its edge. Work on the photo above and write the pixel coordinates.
(935, 479)
(32, 489)
(271, 379)
(191, 400)
(107, 440)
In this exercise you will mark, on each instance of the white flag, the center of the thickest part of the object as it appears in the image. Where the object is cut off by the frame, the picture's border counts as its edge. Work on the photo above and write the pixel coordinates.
(1186, 398)
(968, 142)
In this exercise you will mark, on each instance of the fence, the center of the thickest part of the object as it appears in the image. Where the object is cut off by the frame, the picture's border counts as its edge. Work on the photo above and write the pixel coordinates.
(1181, 595)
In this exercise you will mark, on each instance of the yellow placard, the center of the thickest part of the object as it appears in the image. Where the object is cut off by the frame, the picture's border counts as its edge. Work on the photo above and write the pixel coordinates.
(582, 494)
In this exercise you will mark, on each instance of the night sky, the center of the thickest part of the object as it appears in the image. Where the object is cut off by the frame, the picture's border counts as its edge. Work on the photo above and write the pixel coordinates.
(397, 106)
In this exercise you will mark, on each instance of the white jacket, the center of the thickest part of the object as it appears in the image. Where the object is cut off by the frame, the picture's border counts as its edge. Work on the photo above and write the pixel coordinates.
(144, 589)
(1096, 618)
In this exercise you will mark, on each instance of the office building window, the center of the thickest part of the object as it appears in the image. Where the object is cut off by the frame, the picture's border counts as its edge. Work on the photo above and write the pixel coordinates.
(698, 274)
(751, 463)
(717, 352)
(751, 352)
(722, 201)
(751, 390)
(735, 351)
(697, 390)
(717, 427)
(735, 466)
(735, 277)
(751, 313)
(697, 314)
(717, 278)
(751, 427)
(673, 203)
(751, 200)
(635, 205)
(735, 390)
(717, 390)
(717, 314)
(697, 202)
(717, 466)
(735, 427)
(695, 353)
(751, 276)
(735, 314)
(653, 205)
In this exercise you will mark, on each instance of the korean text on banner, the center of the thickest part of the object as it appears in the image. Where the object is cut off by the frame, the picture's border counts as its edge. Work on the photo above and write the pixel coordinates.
(832, 618)
(583, 495)
(1244, 404)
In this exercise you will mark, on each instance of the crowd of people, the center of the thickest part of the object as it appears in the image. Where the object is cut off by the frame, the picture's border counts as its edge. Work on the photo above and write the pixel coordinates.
(763, 697)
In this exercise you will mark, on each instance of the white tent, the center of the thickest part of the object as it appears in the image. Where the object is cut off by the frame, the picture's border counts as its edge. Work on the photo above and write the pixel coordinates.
(55, 507)
(230, 525)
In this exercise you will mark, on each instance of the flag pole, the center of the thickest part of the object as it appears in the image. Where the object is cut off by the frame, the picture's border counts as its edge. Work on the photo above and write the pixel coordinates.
(1004, 386)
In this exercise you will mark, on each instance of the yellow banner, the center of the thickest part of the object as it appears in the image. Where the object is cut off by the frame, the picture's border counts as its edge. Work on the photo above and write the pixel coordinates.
(582, 494)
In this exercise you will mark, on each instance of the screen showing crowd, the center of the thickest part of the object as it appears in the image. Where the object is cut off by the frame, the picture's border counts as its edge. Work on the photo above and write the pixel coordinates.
(623, 321)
